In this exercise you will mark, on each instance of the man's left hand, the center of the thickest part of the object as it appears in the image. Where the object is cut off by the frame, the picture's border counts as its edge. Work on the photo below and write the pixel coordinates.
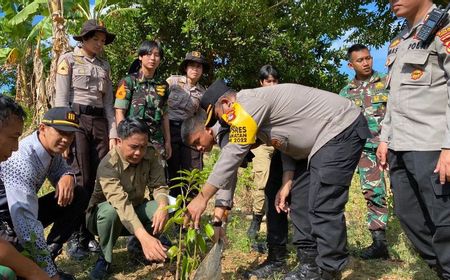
(443, 167)
(64, 190)
(159, 219)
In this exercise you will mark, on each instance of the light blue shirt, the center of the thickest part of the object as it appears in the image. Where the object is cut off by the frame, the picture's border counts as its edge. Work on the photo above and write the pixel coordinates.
(23, 175)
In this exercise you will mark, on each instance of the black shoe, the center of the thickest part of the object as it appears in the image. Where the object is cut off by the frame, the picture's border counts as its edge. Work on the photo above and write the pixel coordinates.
(259, 247)
(93, 246)
(255, 225)
(275, 262)
(101, 269)
(76, 251)
(330, 275)
(378, 249)
(65, 276)
(55, 250)
(307, 268)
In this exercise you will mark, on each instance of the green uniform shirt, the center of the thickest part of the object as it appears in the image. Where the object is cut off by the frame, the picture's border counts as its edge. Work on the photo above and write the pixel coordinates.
(123, 185)
(146, 99)
(371, 96)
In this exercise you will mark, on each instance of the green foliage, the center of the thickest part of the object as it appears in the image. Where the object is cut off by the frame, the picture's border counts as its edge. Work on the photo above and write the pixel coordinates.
(191, 244)
(32, 252)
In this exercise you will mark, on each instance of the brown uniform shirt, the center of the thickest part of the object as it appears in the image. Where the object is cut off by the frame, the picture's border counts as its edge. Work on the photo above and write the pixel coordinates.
(184, 100)
(123, 185)
(86, 81)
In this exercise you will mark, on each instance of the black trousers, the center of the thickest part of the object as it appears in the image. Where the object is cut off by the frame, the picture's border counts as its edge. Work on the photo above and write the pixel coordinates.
(277, 223)
(319, 195)
(65, 220)
(90, 145)
(422, 205)
(183, 157)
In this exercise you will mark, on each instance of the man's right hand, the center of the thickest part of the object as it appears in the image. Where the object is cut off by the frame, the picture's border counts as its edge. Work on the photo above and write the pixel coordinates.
(382, 156)
(152, 247)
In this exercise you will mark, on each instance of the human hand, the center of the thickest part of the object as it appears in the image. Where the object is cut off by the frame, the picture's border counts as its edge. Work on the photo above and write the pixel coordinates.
(194, 211)
(280, 199)
(382, 156)
(168, 148)
(151, 246)
(64, 190)
(159, 219)
(443, 167)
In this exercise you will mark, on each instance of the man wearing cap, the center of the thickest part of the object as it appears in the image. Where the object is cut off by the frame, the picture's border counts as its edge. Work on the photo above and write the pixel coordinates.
(184, 100)
(321, 136)
(83, 82)
(23, 174)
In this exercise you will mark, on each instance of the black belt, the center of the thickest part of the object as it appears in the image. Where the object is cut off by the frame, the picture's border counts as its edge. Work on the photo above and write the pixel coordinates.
(87, 110)
(176, 123)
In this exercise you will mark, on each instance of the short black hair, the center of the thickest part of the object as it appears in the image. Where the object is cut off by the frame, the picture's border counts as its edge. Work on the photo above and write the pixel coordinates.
(355, 48)
(9, 107)
(147, 46)
(130, 126)
(268, 70)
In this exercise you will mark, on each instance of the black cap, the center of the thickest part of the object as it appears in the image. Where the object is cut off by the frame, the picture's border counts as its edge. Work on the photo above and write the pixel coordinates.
(61, 118)
(209, 99)
(196, 57)
(93, 25)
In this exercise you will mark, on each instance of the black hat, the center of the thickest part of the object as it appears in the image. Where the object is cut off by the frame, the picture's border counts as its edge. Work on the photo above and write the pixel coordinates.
(61, 118)
(210, 97)
(196, 57)
(93, 25)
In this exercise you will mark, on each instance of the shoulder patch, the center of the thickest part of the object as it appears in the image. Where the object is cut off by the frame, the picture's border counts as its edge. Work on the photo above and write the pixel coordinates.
(243, 127)
(121, 92)
(160, 89)
(395, 43)
(444, 36)
(63, 68)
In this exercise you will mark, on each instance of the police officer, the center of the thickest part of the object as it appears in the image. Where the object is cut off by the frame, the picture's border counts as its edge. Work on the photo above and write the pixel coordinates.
(415, 134)
(318, 167)
(83, 82)
(183, 101)
(368, 91)
(144, 94)
(268, 76)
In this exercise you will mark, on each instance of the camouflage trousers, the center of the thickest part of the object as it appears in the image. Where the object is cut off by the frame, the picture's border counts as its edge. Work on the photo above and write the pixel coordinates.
(6, 273)
(373, 186)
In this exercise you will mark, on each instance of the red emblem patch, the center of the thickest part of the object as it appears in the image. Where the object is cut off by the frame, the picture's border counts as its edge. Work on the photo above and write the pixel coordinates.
(416, 74)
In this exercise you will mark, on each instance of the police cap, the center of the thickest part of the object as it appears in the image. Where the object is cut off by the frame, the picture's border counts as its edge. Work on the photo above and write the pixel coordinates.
(61, 118)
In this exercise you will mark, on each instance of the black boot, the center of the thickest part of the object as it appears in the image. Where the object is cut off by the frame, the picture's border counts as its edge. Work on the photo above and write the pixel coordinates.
(276, 260)
(330, 275)
(253, 230)
(378, 249)
(307, 268)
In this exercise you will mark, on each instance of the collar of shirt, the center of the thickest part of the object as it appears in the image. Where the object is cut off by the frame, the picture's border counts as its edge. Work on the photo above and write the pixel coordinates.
(409, 31)
(357, 83)
(140, 78)
(44, 157)
(78, 51)
(184, 80)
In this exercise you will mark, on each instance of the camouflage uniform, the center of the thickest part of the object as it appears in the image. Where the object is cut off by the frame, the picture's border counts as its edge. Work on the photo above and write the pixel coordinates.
(146, 99)
(371, 96)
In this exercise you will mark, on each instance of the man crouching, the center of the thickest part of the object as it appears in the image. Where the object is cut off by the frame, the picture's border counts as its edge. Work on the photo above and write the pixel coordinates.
(118, 205)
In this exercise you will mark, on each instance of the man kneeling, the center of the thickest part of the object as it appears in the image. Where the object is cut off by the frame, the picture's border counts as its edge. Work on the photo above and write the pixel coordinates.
(118, 205)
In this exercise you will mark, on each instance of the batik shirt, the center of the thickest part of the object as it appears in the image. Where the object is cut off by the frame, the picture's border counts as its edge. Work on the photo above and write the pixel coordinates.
(23, 175)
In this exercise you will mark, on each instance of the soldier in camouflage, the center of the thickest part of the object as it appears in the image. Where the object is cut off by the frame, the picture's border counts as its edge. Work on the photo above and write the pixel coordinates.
(368, 91)
(143, 94)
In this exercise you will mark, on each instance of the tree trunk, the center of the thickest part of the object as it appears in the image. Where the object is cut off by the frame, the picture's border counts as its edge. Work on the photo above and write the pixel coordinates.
(39, 86)
(60, 46)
